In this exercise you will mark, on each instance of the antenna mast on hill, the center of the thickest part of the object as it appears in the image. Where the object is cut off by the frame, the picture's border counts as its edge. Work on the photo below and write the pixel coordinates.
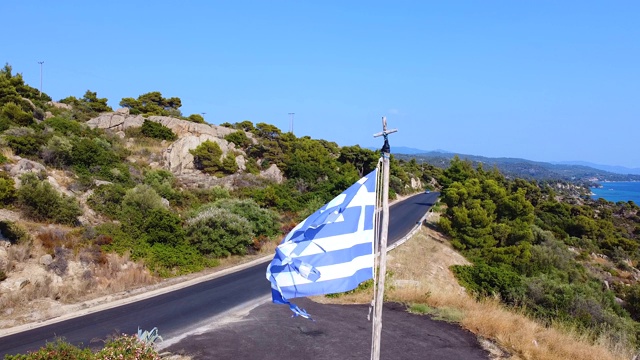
(291, 122)
(382, 259)
(40, 62)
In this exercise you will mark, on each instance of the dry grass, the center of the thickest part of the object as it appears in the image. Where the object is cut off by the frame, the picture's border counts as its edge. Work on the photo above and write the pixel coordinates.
(419, 274)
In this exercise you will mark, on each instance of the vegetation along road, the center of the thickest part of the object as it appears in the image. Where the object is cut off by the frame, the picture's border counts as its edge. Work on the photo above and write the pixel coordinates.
(175, 311)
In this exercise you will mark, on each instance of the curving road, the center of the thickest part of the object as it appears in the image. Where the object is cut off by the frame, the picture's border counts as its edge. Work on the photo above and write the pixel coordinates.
(178, 310)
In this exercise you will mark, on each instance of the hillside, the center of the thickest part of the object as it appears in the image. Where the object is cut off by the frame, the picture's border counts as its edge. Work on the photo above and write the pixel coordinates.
(525, 169)
(95, 201)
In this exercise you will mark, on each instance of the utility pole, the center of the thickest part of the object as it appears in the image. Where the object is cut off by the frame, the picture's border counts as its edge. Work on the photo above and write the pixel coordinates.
(382, 258)
(203, 114)
(40, 62)
(291, 122)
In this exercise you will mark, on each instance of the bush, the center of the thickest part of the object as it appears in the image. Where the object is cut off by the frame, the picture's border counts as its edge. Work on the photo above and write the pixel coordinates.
(163, 226)
(13, 232)
(24, 141)
(127, 347)
(263, 221)
(206, 157)
(239, 138)
(57, 350)
(122, 347)
(485, 280)
(137, 203)
(229, 165)
(107, 199)
(57, 151)
(64, 126)
(15, 114)
(7, 189)
(196, 118)
(157, 131)
(41, 202)
(219, 232)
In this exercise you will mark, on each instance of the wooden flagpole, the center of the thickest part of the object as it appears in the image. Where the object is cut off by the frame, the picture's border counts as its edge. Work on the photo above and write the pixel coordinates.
(382, 268)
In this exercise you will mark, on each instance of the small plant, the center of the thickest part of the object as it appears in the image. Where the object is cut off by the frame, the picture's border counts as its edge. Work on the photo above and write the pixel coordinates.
(149, 337)
(157, 131)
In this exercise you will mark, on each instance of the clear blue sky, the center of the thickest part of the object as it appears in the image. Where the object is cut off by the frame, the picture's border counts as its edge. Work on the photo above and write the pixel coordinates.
(541, 80)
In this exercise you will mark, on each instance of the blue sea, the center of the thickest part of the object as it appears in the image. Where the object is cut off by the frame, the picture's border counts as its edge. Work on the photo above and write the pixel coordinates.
(618, 191)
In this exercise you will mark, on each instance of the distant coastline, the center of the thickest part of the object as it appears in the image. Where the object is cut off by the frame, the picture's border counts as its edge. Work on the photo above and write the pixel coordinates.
(616, 191)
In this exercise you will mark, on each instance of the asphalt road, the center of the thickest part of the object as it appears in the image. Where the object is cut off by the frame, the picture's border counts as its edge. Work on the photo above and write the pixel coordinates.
(175, 311)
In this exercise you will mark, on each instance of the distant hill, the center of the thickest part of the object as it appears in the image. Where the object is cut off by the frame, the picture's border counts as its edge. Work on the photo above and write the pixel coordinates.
(522, 168)
(614, 169)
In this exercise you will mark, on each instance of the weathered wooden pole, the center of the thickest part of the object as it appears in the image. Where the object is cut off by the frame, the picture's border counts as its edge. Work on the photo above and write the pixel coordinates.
(382, 267)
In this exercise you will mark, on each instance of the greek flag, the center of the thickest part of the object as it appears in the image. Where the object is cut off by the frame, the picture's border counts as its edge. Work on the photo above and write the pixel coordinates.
(331, 251)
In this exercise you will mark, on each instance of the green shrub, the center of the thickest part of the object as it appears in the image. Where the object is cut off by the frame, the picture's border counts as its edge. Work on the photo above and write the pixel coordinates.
(15, 114)
(239, 138)
(57, 350)
(127, 347)
(163, 226)
(57, 151)
(107, 199)
(41, 202)
(13, 232)
(7, 189)
(167, 260)
(206, 157)
(157, 131)
(24, 141)
(196, 118)
(64, 126)
(485, 280)
(219, 232)
(229, 165)
(138, 202)
(263, 221)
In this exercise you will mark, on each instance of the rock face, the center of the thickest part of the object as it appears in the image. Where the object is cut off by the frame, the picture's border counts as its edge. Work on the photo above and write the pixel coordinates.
(177, 157)
(179, 160)
(273, 173)
(24, 166)
(116, 121)
(58, 105)
(416, 183)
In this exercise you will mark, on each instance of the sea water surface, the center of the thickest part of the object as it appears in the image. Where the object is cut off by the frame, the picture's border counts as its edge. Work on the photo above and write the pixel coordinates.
(618, 191)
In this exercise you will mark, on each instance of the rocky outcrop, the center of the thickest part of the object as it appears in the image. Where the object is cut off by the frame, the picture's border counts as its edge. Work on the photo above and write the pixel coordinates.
(59, 105)
(23, 166)
(179, 160)
(189, 128)
(116, 121)
(273, 173)
(416, 183)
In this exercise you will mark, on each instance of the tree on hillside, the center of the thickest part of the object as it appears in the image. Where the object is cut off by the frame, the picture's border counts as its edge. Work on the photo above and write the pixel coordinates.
(153, 104)
(364, 160)
(196, 118)
(87, 107)
(206, 157)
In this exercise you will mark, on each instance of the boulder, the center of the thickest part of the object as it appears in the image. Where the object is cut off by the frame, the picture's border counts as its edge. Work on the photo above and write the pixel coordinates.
(189, 128)
(46, 259)
(25, 166)
(273, 173)
(179, 160)
(416, 183)
(241, 163)
(115, 121)
(59, 105)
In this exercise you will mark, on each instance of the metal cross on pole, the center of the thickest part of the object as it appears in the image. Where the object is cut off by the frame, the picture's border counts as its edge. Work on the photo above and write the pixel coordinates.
(382, 259)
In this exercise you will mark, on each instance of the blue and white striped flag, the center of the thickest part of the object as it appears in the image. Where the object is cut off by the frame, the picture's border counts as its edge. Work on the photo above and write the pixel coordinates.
(331, 251)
